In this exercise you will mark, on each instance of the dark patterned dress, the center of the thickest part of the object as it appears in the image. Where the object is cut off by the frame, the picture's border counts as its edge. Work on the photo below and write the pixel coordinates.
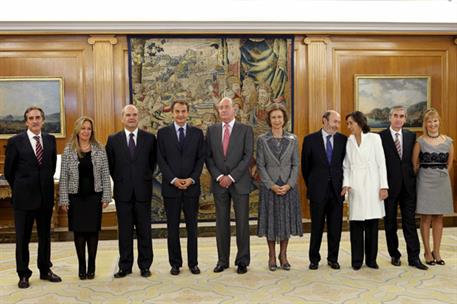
(279, 216)
(434, 194)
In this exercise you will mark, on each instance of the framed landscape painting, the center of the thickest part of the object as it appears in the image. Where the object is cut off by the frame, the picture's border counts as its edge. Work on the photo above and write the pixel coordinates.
(375, 95)
(18, 93)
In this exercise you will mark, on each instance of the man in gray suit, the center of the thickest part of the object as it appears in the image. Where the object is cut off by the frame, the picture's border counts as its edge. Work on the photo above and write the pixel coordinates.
(230, 146)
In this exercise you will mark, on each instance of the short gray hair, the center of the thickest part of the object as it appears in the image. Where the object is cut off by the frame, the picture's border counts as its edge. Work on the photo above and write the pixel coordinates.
(397, 108)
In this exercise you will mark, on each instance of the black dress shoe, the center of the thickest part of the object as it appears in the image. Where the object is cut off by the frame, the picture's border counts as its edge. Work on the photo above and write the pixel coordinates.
(219, 268)
(145, 273)
(313, 266)
(395, 261)
(373, 265)
(50, 276)
(23, 282)
(418, 264)
(90, 275)
(82, 276)
(194, 269)
(334, 265)
(241, 269)
(122, 273)
(174, 270)
(356, 267)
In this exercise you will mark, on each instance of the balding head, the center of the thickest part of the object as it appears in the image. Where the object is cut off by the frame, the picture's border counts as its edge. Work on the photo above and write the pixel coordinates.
(331, 120)
(130, 117)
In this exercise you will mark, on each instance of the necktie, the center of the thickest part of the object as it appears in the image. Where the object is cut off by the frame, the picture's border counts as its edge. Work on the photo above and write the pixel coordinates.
(38, 150)
(181, 136)
(329, 149)
(131, 145)
(398, 144)
(226, 139)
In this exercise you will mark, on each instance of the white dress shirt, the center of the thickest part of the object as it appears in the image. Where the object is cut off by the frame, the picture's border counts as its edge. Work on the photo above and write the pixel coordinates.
(32, 140)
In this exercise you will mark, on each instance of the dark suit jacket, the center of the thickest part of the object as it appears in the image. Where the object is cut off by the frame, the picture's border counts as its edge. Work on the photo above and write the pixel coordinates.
(132, 175)
(239, 155)
(180, 162)
(316, 169)
(32, 185)
(399, 170)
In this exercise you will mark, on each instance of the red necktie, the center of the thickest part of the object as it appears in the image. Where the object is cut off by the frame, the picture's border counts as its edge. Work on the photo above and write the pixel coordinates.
(226, 139)
(38, 150)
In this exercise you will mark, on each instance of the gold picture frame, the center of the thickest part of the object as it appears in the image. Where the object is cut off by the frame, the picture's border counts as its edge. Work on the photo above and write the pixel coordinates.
(375, 95)
(18, 93)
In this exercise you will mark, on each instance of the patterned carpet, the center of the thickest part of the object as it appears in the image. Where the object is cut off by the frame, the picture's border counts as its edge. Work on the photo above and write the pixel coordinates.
(388, 285)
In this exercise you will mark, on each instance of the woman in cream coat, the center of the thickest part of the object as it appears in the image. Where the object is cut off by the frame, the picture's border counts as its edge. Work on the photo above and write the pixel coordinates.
(365, 181)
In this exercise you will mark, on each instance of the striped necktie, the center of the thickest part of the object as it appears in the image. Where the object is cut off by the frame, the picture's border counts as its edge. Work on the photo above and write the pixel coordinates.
(398, 144)
(38, 150)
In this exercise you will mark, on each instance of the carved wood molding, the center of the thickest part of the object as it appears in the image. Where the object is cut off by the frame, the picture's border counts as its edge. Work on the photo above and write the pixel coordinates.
(97, 39)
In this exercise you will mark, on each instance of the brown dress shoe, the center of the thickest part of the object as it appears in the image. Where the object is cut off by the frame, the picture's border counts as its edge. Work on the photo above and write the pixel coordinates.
(50, 276)
(23, 282)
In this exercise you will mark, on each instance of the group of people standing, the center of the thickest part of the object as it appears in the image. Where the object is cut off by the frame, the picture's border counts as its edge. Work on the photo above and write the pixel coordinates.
(375, 172)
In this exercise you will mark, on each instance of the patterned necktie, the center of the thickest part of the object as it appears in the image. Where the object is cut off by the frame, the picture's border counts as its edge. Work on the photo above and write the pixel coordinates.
(329, 149)
(38, 150)
(398, 144)
(181, 136)
(226, 139)
(131, 145)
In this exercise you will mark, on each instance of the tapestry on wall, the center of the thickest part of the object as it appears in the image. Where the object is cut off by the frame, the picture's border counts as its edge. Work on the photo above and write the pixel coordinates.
(254, 71)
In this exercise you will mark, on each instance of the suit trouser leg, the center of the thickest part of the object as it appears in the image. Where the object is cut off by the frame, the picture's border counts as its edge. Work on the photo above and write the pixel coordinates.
(142, 211)
(390, 226)
(408, 213)
(23, 223)
(43, 225)
(190, 208)
(173, 210)
(356, 235)
(317, 229)
(241, 206)
(334, 226)
(124, 211)
(222, 201)
(371, 241)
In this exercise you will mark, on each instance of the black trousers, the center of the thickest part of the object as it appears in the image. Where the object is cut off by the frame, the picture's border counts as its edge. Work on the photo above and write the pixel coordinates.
(364, 237)
(23, 222)
(241, 207)
(173, 207)
(408, 211)
(330, 210)
(136, 214)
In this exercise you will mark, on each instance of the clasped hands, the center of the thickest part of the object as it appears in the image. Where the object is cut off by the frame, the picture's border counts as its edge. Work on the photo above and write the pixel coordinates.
(225, 181)
(383, 193)
(280, 190)
(182, 183)
(66, 207)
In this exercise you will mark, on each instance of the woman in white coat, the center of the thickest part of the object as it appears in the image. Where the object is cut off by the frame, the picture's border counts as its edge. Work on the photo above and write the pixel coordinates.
(365, 182)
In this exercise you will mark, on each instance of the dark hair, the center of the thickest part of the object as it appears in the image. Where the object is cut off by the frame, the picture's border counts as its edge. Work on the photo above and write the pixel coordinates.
(180, 101)
(275, 107)
(31, 108)
(360, 119)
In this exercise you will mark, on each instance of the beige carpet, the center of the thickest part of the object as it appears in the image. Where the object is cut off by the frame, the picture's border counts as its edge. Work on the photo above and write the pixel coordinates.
(389, 284)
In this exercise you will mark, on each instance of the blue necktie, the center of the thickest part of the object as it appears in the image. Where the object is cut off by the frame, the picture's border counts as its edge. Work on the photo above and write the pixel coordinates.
(181, 136)
(131, 145)
(329, 149)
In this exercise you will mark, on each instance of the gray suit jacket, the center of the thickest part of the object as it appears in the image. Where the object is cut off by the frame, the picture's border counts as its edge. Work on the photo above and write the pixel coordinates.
(240, 149)
(270, 168)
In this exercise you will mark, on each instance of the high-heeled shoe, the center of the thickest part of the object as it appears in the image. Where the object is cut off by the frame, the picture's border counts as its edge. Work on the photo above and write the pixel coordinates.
(439, 262)
(90, 275)
(284, 266)
(429, 262)
(272, 266)
(82, 276)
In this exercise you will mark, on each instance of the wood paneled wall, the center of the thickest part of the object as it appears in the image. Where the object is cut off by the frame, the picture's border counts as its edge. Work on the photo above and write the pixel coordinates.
(95, 70)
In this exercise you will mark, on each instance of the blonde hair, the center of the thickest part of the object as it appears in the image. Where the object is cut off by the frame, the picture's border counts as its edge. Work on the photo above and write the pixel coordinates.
(74, 140)
(428, 114)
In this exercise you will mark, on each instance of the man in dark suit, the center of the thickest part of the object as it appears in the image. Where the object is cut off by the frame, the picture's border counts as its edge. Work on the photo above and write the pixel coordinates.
(322, 168)
(29, 169)
(398, 146)
(230, 146)
(180, 156)
(132, 158)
